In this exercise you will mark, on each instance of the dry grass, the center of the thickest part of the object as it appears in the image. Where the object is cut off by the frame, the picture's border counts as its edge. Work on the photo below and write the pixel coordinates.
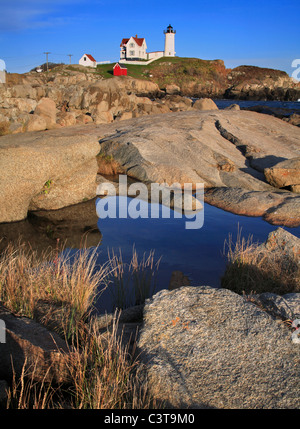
(69, 282)
(253, 268)
(103, 374)
(133, 283)
(25, 393)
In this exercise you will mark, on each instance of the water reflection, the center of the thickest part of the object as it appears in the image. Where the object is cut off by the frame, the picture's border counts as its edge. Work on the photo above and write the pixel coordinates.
(73, 226)
(198, 254)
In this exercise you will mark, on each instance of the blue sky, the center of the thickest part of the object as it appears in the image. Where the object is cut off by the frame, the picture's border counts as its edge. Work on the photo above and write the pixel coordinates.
(262, 33)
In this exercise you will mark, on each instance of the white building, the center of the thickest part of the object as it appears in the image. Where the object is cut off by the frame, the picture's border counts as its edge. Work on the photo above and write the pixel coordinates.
(88, 60)
(135, 49)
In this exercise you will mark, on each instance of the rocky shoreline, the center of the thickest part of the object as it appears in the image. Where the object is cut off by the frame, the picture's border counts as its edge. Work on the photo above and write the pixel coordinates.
(197, 347)
(200, 347)
(232, 152)
(74, 97)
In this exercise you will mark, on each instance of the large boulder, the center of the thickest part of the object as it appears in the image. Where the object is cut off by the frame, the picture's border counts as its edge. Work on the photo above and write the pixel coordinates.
(172, 89)
(205, 104)
(36, 123)
(285, 173)
(46, 171)
(46, 108)
(285, 242)
(211, 348)
(225, 150)
(66, 119)
(29, 346)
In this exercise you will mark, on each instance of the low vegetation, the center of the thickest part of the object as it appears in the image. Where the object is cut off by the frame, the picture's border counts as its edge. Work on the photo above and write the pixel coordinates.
(176, 70)
(133, 283)
(60, 289)
(253, 268)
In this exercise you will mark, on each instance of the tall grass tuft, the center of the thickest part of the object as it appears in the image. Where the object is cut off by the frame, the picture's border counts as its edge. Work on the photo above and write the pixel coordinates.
(63, 287)
(103, 376)
(252, 267)
(27, 393)
(132, 283)
(64, 284)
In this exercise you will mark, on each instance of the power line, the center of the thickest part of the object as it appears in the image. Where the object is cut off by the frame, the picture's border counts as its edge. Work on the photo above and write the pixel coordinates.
(70, 55)
(47, 53)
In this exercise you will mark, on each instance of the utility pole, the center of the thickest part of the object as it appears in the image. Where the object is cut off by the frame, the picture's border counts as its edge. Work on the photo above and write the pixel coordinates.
(47, 53)
(70, 55)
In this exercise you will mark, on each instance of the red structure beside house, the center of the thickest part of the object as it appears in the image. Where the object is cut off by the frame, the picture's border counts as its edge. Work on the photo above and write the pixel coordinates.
(119, 71)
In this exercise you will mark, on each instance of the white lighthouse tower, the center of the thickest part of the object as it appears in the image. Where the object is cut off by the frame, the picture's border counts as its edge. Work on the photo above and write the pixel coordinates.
(169, 42)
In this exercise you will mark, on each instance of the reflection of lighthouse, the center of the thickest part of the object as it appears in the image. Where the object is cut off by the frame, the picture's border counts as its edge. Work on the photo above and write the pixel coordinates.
(169, 42)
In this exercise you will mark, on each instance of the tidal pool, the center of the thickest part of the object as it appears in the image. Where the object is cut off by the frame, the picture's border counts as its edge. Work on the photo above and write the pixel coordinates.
(198, 253)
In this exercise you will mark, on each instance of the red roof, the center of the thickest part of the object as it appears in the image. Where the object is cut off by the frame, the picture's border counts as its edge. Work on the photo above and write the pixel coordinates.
(90, 57)
(138, 40)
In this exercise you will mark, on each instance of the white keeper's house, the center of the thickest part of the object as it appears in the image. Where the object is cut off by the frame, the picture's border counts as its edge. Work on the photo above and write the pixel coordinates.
(134, 49)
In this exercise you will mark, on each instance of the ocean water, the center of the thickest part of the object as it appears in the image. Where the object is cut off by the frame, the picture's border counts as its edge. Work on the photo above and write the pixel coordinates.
(292, 106)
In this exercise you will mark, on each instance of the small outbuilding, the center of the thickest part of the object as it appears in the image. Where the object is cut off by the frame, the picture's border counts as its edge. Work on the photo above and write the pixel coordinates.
(88, 60)
(119, 71)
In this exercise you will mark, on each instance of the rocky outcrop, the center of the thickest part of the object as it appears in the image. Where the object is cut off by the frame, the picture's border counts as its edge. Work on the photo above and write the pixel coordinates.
(66, 100)
(205, 104)
(211, 348)
(256, 83)
(46, 171)
(285, 174)
(228, 151)
(284, 242)
(82, 97)
(205, 78)
(30, 347)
